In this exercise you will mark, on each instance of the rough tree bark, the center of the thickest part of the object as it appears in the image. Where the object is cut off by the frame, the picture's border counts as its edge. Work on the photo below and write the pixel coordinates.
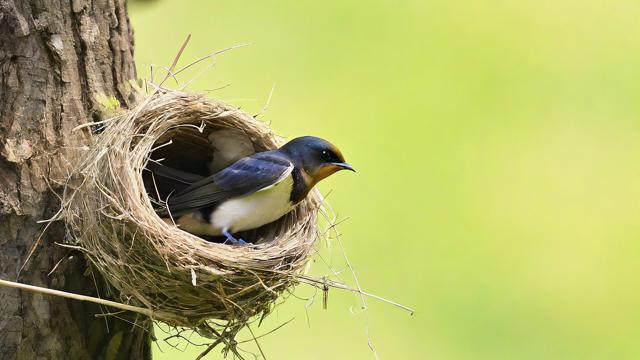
(62, 63)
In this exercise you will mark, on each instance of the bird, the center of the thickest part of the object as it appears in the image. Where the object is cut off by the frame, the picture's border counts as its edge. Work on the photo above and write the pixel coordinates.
(251, 192)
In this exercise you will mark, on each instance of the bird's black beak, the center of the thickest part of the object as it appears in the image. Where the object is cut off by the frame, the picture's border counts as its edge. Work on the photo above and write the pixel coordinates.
(345, 166)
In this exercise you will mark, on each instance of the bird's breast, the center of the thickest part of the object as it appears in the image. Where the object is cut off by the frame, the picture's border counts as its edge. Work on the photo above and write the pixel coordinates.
(254, 210)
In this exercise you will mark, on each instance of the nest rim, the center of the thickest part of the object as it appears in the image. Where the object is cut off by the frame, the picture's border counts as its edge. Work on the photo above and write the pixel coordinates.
(184, 279)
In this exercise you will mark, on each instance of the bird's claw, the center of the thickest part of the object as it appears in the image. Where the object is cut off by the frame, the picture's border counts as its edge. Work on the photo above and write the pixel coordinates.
(231, 239)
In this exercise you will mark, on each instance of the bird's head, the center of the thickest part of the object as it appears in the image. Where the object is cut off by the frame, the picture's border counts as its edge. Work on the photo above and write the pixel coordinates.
(317, 157)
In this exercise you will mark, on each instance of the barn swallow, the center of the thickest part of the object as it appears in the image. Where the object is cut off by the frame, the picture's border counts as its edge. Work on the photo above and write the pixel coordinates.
(251, 192)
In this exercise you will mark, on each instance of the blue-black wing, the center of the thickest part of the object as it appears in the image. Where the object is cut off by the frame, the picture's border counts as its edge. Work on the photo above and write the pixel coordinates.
(243, 177)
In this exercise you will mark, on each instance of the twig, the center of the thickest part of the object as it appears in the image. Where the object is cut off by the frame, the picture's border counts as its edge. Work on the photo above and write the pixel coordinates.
(257, 342)
(170, 72)
(209, 348)
(310, 280)
(266, 105)
(37, 289)
(209, 56)
(267, 333)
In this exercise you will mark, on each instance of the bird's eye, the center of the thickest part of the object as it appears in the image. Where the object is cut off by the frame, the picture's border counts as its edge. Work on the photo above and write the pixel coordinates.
(327, 155)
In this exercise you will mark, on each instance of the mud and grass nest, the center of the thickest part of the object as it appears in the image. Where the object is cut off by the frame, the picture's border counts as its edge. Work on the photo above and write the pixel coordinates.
(185, 280)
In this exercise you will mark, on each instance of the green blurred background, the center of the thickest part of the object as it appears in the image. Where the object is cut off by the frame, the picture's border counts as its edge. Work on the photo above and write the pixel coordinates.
(498, 152)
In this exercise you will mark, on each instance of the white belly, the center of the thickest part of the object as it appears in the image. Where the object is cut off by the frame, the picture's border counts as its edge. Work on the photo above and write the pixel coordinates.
(254, 210)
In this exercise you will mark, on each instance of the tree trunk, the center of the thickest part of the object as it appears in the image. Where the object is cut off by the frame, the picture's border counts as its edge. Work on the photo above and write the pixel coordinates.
(62, 64)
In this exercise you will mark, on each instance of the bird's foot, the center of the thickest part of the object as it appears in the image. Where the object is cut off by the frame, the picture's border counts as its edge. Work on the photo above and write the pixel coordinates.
(231, 239)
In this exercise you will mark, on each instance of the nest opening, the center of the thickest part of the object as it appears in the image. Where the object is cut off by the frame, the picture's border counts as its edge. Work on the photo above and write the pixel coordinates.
(185, 280)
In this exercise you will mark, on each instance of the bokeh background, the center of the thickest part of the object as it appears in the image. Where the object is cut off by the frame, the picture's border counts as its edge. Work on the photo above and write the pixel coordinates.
(497, 145)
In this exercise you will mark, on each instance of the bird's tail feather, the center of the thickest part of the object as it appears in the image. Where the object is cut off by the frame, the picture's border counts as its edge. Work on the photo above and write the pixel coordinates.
(173, 174)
